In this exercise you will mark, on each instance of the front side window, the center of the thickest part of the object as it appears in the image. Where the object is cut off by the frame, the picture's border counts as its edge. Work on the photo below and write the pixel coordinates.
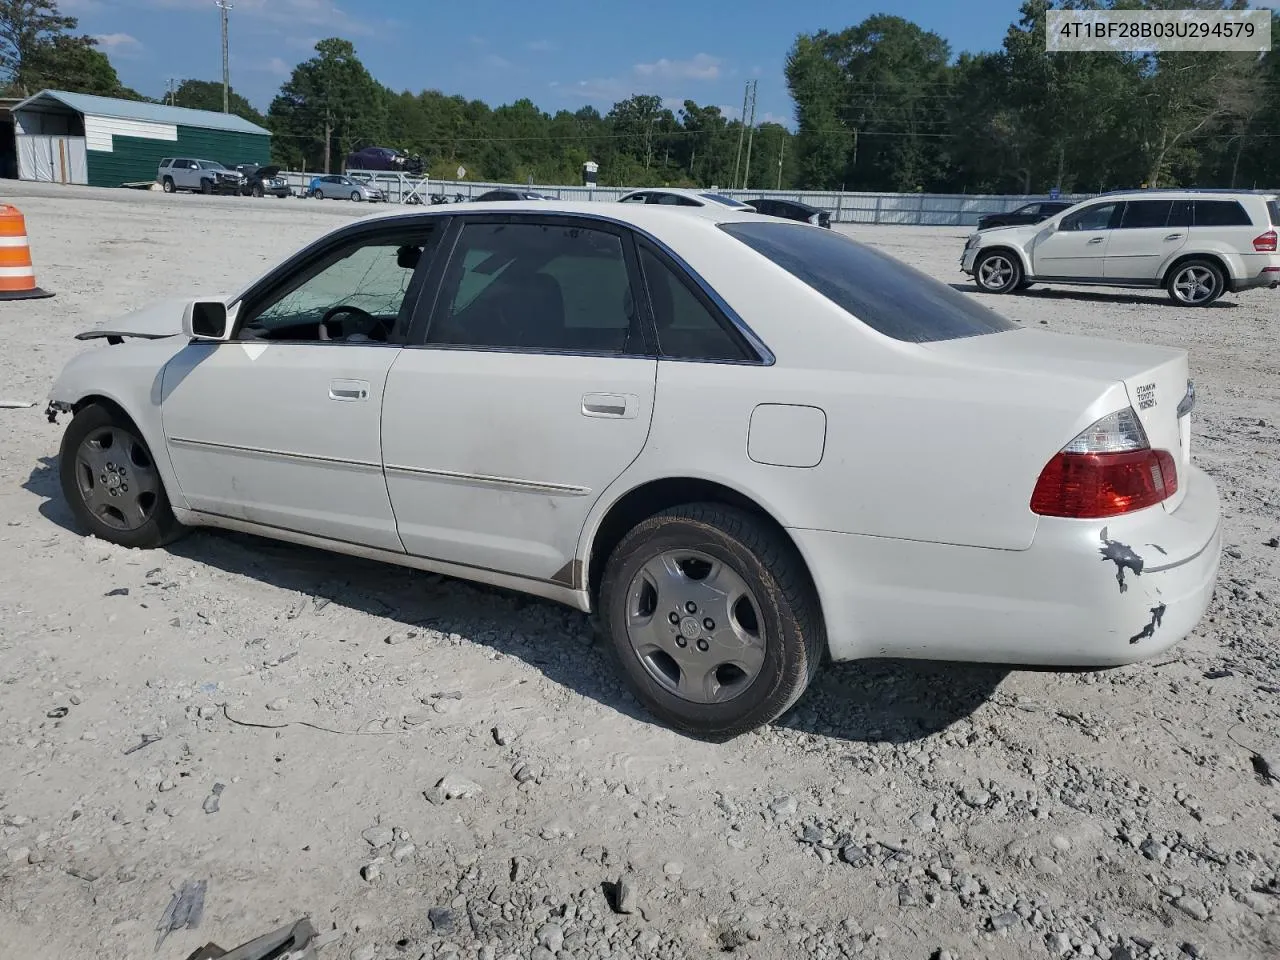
(1145, 214)
(687, 330)
(538, 287)
(355, 293)
(879, 290)
(1096, 217)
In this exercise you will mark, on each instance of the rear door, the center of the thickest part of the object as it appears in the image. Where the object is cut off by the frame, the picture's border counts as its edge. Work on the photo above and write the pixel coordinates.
(527, 388)
(1078, 247)
(1150, 233)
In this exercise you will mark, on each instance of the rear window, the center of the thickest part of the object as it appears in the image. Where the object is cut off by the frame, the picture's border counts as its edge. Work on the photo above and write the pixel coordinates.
(884, 293)
(1220, 213)
(721, 198)
(1273, 207)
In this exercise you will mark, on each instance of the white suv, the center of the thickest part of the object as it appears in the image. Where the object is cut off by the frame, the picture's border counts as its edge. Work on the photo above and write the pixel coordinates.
(1196, 244)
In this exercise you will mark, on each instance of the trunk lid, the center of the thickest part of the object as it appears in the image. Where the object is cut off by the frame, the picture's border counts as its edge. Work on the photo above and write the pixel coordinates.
(1155, 378)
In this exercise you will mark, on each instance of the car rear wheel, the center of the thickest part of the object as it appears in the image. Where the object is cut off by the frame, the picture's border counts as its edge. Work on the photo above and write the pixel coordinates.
(168, 185)
(1196, 283)
(111, 482)
(997, 272)
(712, 619)
(316, 194)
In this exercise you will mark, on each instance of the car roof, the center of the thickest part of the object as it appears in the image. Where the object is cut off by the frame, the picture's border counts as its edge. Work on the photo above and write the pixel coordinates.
(647, 217)
(1188, 193)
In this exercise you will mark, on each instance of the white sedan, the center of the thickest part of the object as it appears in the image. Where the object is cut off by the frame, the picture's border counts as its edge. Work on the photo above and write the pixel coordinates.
(744, 444)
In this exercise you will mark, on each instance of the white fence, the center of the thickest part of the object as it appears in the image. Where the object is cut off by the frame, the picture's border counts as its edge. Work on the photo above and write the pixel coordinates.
(913, 209)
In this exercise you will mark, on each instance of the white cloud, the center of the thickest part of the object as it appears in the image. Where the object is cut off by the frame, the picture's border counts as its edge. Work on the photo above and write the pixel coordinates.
(118, 44)
(278, 67)
(294, 13)
(701, 67)
(495, 62)
(549, 46)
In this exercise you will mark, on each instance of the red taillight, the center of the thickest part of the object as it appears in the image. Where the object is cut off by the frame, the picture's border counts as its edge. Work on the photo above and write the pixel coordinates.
(1266, 243)
(1092, 485)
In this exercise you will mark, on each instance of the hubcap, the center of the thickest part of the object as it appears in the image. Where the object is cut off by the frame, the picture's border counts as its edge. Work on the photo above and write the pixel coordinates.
(1194, 284)
(696, 626)
(116, 478)
(995, 272)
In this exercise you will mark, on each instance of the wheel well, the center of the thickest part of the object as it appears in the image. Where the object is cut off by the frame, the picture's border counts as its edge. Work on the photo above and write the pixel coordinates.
(1212, 257)
(658, 495)
(102, 402)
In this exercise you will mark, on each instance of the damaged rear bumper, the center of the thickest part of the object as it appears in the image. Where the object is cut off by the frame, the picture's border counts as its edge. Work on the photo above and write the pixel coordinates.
(1085, 594)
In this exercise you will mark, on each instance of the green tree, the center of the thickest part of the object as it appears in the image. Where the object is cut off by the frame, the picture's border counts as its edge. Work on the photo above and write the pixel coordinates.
(207, 95)
(328, 106)
(37, 50)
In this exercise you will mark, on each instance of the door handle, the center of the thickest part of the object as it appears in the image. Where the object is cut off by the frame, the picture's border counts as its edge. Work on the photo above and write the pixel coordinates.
(618, 406)
(348, 390)
(1174, 236)
(1097, 240)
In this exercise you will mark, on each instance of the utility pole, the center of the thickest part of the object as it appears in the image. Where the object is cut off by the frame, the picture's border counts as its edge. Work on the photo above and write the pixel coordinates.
(782, 152)
(742, 131)
(224, 6)
(746, 169)
(171, 92)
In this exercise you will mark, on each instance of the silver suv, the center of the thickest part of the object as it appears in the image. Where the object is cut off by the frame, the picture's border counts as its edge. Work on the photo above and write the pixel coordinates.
(1196, 244)
(203, 176)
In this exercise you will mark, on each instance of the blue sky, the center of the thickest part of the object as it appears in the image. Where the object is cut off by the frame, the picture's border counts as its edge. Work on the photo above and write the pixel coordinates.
(566, 54)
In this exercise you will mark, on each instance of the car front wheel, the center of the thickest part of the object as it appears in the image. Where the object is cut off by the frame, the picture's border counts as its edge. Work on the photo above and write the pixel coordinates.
(111, 482)
(168, 185)
(1196, 283)
(997, 272)
(712, 618)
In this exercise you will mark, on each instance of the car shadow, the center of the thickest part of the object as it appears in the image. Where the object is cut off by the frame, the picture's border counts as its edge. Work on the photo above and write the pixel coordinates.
(868, 701)
(1090, 296)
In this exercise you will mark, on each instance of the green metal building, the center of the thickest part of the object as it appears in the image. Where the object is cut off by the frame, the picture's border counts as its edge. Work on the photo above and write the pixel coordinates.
(103, 142)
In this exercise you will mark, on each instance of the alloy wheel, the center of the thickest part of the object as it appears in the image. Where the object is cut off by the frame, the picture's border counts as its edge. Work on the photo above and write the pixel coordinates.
(995, 272)
(1194, 284)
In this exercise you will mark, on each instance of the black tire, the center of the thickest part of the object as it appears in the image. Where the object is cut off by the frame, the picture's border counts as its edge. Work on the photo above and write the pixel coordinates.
(356, 196)
(155, 524)
(780, 602)
(1195, 283)
(206, 187)
(257, 191)
(316, 194)
(168, 185)
(997, 271)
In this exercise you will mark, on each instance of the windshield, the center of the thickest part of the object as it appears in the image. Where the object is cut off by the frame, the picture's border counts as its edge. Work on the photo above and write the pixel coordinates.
(721, 198)
(211, 165)
(879, 290)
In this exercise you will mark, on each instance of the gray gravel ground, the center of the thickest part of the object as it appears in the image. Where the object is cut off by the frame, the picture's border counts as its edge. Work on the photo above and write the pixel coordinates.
(430, 769)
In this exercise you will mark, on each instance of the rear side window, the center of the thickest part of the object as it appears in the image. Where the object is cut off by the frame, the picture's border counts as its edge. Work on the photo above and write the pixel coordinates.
(687, 330)
(881, 291)
(1220, 213)
(1273, 207)
(1145, 214)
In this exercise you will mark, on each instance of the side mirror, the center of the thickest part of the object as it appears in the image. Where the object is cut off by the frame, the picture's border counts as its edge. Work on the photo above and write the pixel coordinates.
(205, 320)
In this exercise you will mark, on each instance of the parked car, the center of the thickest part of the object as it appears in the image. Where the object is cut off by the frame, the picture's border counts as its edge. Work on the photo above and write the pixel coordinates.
(203, 176)
(1195, 244)
(504, 194)
(263, 181)
(384, 158)
(740, 479)
(791, 210)
(680, 197)
(1027, 213)
(341, 187)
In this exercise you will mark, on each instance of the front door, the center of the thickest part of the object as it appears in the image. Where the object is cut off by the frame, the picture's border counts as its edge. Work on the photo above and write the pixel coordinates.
(1078, 247)
(530, 390)
(1150, 232)
(280, 426)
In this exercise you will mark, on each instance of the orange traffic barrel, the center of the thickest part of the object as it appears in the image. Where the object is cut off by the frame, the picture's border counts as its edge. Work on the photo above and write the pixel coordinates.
(17, 275)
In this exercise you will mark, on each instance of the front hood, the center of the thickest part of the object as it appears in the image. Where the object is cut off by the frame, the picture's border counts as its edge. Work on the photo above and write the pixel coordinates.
(161, 318)
(266, 173)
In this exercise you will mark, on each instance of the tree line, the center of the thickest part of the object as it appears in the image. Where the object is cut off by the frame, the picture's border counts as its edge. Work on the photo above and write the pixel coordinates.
(880, 106)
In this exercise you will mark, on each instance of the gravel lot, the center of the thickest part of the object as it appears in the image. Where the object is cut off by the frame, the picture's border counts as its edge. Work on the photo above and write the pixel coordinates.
(901, 811)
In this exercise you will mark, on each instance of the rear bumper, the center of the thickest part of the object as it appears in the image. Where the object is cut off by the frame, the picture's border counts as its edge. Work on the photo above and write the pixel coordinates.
(1268, 277)
(1086, 593)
